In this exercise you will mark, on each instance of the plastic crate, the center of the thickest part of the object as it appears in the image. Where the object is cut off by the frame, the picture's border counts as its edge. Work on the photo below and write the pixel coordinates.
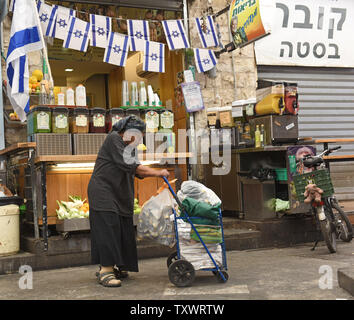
(52, 144)
(321, 178)
(89, 143)
(281, 174)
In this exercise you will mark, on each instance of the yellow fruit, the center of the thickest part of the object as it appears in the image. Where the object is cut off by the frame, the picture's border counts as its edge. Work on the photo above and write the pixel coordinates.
(38, 74)
(33, 80)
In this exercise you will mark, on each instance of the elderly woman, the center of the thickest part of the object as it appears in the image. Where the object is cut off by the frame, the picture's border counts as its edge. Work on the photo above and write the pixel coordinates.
(111, 199)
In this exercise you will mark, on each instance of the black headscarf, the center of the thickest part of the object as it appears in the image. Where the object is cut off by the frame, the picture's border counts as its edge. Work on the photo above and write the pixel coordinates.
(130, 122)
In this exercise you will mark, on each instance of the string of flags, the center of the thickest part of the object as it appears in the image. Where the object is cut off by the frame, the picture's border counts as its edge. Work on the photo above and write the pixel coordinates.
(62, 23)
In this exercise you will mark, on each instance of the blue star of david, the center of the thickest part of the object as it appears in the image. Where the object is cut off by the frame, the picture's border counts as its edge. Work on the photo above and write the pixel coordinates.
(78, 34)
(62, 23)
(206, 61)
(175, 34)
(117, 49)
(138, 35)
(43, 17)
(100, 31)
(154, 57)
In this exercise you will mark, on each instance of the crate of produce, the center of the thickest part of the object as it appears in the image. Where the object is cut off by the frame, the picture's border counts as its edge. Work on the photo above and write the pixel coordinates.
(76, 224)
(89, 143)
(321, 178)
(48, 144)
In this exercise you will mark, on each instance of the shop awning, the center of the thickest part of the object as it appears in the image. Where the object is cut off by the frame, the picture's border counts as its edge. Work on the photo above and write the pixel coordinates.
(174, 5)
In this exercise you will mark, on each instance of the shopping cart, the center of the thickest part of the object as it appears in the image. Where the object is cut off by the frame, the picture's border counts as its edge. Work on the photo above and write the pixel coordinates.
(181, 272)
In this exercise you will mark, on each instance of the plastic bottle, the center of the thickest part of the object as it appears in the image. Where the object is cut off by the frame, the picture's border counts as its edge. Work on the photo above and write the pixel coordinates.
(51, 98)
(135, 95)
(151, 97)
(61, 99)
(43, 98)
(80, 96)
(257, 137)
(262, 136)
(143, 95)
(70, 97)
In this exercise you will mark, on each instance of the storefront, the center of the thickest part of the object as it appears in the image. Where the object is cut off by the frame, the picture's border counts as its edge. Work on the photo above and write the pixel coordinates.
(321, 63)
(57, 161)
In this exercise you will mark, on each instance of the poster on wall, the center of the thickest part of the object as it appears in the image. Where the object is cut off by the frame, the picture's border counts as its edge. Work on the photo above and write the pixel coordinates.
(193, 98)
(245, 22)
(308, 33)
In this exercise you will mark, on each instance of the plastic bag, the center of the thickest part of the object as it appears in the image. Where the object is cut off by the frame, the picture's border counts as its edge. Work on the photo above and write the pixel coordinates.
(199, 192)
(154, 220)
(197, 255)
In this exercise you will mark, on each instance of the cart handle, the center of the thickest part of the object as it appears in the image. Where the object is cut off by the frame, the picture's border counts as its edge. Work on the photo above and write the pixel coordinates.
(174, 194)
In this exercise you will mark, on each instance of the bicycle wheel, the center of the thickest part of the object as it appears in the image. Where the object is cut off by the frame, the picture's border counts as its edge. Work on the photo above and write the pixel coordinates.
(329, 235)
(345, 226)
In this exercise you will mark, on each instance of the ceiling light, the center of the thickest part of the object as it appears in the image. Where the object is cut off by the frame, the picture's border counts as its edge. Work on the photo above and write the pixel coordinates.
(69, 70)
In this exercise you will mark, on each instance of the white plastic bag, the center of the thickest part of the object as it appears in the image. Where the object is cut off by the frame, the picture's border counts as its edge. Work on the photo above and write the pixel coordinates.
(199, 192)
(154, 220)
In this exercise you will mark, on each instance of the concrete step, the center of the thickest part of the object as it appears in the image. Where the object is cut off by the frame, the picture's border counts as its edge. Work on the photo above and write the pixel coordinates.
(346, 279)
(75, 251)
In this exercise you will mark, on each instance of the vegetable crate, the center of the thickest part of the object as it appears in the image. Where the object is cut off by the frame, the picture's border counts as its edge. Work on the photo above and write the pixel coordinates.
(76, 224)
(321, 178)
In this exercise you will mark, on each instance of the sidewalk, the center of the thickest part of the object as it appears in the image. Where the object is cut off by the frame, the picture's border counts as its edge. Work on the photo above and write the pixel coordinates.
(266, 274)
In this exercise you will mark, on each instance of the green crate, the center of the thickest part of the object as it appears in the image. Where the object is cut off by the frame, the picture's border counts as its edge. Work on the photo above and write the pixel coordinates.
(281, 174)
(321, 178)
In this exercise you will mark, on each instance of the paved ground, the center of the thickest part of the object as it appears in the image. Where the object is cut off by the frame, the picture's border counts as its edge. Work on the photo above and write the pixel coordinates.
(288, 273)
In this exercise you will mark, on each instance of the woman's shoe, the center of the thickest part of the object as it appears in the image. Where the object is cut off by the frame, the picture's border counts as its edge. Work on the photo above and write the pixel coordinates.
(107, 277)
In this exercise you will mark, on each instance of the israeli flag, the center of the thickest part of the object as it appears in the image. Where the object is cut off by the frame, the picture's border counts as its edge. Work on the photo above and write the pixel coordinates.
(205, 59)
(47, 17)
(207, 32)
(154, 57)
(24, 38)
(77, 37)
(62, 22)
(175, 34)
(139, 32)
(12, 5)
(100, 28)
(117, 49)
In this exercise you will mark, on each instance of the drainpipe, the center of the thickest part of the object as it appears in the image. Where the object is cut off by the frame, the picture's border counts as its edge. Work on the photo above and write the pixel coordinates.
(192, 174)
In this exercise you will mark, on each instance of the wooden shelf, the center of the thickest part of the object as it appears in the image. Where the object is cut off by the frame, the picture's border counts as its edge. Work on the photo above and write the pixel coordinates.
(93, 157)
(18, 147)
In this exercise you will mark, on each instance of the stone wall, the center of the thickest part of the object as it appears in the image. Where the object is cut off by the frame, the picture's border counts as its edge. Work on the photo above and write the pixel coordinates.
(236, 72)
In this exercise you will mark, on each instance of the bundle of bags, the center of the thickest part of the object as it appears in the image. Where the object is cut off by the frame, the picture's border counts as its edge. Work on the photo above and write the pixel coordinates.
(194, 251)
(156, 222)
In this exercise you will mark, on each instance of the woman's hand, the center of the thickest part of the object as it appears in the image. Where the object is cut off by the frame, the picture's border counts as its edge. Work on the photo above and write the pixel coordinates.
(164, 173)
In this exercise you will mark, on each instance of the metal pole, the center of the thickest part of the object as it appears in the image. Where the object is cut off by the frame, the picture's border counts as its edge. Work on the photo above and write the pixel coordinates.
(44, 204)
(34, 192)
(2, 129)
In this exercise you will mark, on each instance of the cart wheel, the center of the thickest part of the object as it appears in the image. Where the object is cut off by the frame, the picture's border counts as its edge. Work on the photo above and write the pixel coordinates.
(172, 258)
(181, 273)
(219, 278)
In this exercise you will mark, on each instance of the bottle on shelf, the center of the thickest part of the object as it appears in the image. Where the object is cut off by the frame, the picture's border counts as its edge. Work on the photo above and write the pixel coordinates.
(262, 136)
(51, 98)
(70, 97)
(257, 137)
(43, 98)
(143, 95)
